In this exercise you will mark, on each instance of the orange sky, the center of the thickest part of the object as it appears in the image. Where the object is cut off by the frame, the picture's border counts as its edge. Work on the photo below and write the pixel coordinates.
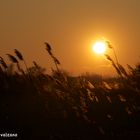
(71, 26)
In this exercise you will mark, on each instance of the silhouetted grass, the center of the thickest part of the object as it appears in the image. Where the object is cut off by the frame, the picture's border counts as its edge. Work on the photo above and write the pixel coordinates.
(60, 106)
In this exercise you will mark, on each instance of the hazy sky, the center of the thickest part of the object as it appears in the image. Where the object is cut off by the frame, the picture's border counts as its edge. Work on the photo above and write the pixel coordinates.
(71, 26)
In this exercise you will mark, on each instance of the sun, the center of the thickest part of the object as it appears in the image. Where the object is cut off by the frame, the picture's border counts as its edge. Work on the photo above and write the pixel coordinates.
(99, 47)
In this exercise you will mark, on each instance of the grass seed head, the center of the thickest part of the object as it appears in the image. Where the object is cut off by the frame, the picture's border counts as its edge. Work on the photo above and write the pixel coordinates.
(12, 58)
(2, 62)
(109, 44)
(56, 60)
(48, 48)
(18, 54)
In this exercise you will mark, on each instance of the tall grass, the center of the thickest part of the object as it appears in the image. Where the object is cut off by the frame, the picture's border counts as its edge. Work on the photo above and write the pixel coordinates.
(60, 106)
(49, 50)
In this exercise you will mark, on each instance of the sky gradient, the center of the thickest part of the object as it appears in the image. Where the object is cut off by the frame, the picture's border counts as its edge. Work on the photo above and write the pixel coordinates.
(71, 27)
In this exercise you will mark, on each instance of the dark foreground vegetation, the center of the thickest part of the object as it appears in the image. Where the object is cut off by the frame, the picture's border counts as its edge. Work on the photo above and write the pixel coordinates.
(61, 107)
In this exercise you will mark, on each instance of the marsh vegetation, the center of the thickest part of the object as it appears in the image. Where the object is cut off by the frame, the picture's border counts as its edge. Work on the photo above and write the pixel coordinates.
(61, 106)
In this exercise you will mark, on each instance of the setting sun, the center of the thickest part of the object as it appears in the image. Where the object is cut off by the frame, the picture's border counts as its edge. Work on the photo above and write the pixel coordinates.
(99, 47)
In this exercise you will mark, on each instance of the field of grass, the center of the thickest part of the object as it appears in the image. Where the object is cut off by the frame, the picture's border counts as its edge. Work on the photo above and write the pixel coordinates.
(60, 106)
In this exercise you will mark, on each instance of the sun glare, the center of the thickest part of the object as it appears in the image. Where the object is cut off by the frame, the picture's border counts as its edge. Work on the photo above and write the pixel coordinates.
(99, 47)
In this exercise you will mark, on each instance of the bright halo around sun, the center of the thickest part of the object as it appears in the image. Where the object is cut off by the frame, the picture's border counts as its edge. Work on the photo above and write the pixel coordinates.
(99, 47)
